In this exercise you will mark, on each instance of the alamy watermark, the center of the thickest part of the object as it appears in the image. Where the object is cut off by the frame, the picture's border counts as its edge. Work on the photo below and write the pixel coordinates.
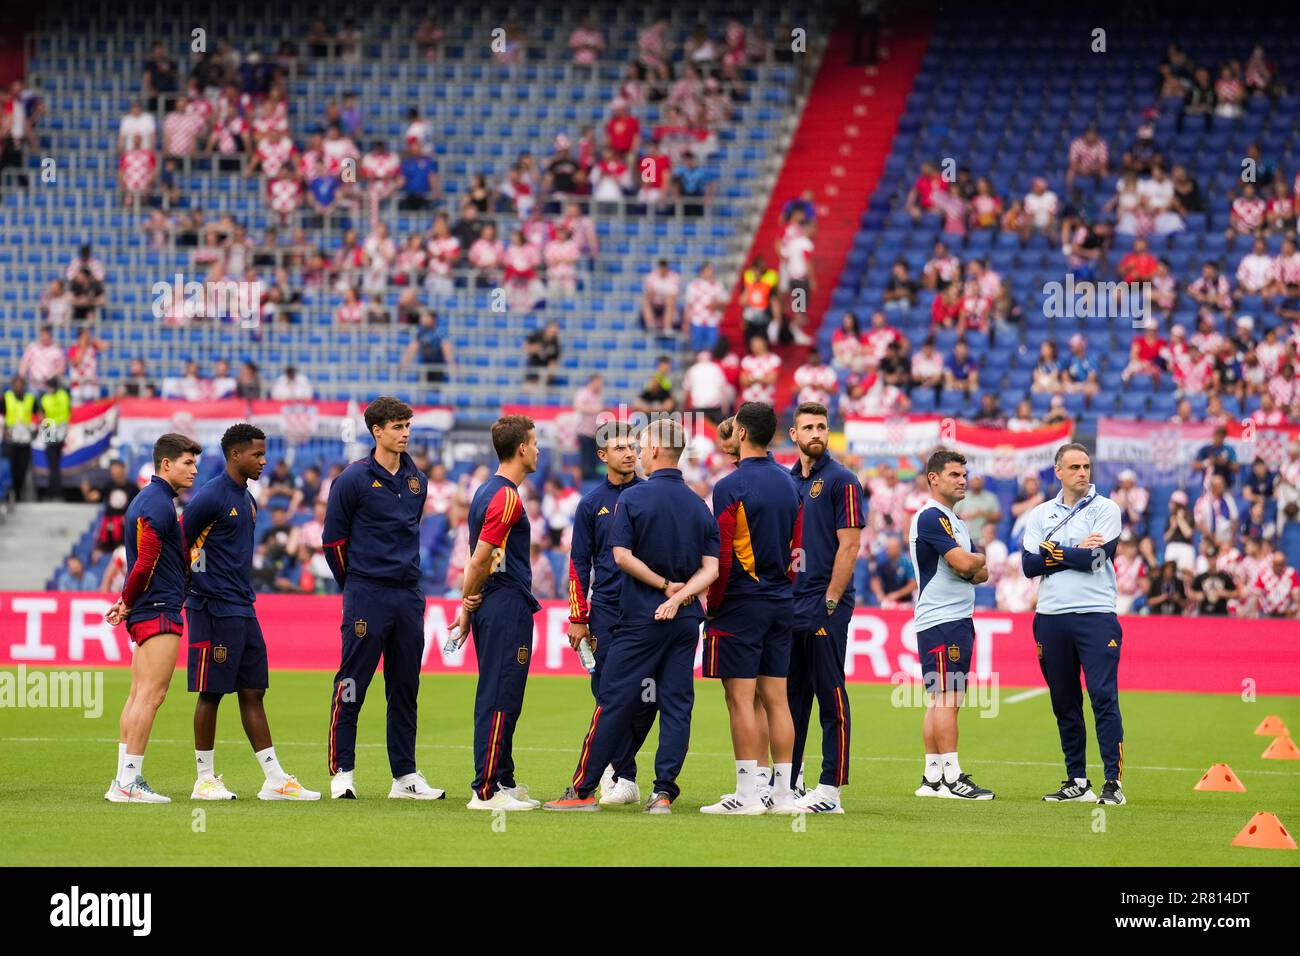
(76, 690)
(1086, 299)
(226, 299)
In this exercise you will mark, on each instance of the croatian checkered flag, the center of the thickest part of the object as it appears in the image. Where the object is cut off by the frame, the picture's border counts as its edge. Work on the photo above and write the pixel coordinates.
(895, 432)
(1271, 446)
(1165, 444)
(299, 424)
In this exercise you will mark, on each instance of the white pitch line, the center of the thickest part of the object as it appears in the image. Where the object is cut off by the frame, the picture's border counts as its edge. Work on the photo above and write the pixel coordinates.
(1026, 695)
(573, 750)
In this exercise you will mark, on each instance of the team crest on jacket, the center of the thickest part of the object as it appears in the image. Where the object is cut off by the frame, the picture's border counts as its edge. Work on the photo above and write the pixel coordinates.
(954, 653)
(521, 655)
(414, 484)
(219, 654)
(359, 628)
(1040, 652)
(816, 488)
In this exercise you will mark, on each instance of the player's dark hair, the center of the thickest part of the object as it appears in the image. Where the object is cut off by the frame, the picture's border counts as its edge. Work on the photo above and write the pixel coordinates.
(612, 432)
(508, 433)
(812, 408)
(1069, 446)
(385, 409)
(940, 459)
(172, 446)
(759, 420)
(237, 436)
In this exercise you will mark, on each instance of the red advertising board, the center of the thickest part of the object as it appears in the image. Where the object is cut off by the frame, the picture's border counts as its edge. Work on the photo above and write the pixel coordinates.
(1171, 654)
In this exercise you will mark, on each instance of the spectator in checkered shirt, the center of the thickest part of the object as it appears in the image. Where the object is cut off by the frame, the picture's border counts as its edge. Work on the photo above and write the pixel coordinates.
(759, 371)
(1256, 274)
(817, 381)
(1246, 217)
(1088, 157)
(705, 300)
(941, 270)
(1276, 591)
(1211, 290)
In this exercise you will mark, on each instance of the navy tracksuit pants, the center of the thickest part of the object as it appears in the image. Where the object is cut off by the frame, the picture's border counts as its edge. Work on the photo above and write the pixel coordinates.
(502, 628)
(1066, 643)
(817, 671)
(650, 662)
(378, 620)
(601, 624)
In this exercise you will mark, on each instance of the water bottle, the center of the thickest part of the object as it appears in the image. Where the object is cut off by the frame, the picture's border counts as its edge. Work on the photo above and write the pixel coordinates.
(586, 656)
(453, 641)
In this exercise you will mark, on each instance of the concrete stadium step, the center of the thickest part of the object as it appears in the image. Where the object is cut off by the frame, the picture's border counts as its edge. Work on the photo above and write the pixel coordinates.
(36, 537)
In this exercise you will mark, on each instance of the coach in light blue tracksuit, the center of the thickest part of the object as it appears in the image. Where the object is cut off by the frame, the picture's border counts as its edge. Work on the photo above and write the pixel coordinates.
(1070, 543)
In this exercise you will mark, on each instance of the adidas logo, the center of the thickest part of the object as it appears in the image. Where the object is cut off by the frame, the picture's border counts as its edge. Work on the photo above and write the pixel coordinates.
(821, 632)
(603, 511)
(130, 766)
(234, 513)
(376, 484)
(267, 760)
(410, 788)
(1112, 643)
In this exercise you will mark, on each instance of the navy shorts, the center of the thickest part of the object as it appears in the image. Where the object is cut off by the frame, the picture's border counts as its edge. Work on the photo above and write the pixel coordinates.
(226, 653)
(750, 640)
(945, 651)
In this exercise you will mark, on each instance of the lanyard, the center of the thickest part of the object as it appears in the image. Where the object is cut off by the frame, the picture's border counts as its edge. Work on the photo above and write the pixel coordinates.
(1073, 511)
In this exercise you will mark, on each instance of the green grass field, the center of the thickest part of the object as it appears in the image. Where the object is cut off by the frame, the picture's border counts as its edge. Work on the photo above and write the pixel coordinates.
(56, 764)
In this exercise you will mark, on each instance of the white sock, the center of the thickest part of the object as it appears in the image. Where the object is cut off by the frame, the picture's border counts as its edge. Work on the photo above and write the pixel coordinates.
(270, 765)
(764, 778)
(781, 781)
(121, 756)
(951, 768)
(933, 768)
(746, 778)
(205, 763)
(1082, 782)
(829, 792)
(132, 766)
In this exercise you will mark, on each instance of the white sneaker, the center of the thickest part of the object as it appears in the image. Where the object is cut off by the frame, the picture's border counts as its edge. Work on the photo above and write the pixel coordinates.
(624, 791)
(211, 788)
(287, 789)
(782, 804)
(607, 781)
(500, 801)
(732, 805)
(413, 786)
(520, 793)
(341, 787)
(816, 801)
(137, 792)
(928, 789)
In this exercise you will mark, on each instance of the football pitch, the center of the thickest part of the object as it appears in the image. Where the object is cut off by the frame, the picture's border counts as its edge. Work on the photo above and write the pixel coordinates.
(56, 763)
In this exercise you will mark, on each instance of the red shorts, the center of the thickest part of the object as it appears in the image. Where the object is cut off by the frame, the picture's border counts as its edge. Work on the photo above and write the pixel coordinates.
(140, 631)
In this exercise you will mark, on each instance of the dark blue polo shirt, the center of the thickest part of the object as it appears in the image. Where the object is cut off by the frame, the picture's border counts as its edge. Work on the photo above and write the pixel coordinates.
(757, 508)
(666, 525)
(372, 522)
(155, 556)
(832, 499)
(217, 527)
(497, 516)
(591, 560)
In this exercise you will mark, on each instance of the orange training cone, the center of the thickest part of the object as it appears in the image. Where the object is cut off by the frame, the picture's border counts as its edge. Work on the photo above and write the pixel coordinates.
(1282, 748)
(1221, 777)
(1265, 832)
(1271, 726)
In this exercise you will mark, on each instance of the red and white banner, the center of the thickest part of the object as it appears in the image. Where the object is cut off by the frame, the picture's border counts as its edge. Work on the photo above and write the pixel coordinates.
(142, 420)
(1152, 448)
(302, 632)
(995, 452)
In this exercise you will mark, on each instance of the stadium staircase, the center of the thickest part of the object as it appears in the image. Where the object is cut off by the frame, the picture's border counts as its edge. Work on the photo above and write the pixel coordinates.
(838, 151)
(36, 538)
(85, 64)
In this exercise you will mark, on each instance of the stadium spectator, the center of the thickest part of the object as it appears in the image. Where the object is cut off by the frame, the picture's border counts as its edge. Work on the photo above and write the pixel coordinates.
(961, 369)
(1041, 208)
(587, 43)
(706, 389)
(901, 290)
(137, 129)
(1088, 157)
(928, 366)
(795, 249)
(543, 350)
(759, 307)
(1014, 592)
(561, 255)
(893, 578)
(706, 298)
(486, 257)
(816, 380)
(920, 199)
(1246, 215)
(941, 270)
(759, 372)
(588, 403)
(521, 261)
(1275, 592)
(1148, 355)
(432, 348)
(622, 131)
(1288, 487)
(657, 394)
(83, 366)
(995, 552)
(1023, 419)
(659, 298)
(19, 430)
(292, 386)
(1218, 458)
(1216, 512)
(74, 576)
(693, 184)
(543, 573)
(42, 360)
(1213, 588)
(137, 171)
(979, 507)
(115, 491)
(1166, 594)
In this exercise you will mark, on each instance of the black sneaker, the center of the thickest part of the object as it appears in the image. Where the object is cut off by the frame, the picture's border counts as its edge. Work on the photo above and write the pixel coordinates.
(1071, 792)
(658, 803)
(928, 789)
(1112, 794)
(964, 788)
